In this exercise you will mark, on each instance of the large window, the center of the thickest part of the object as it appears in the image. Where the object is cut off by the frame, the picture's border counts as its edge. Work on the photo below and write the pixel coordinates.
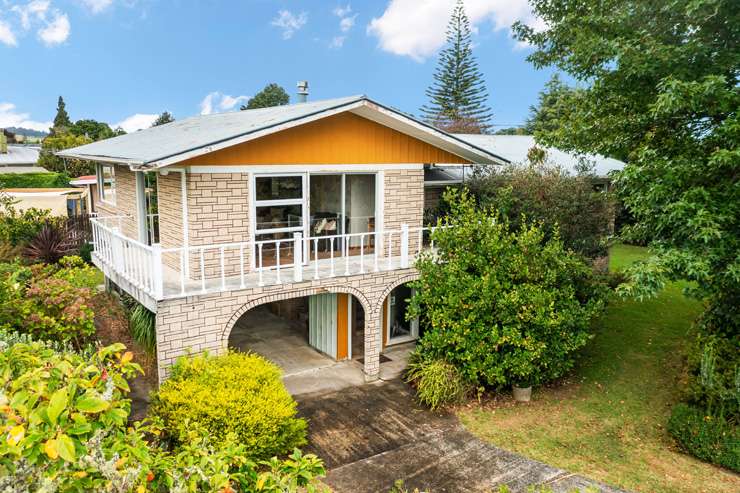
(151, 208)
(279, 213)
(106, 174)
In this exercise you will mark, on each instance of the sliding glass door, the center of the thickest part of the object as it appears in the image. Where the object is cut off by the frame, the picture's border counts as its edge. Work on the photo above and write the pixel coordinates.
(341, 204)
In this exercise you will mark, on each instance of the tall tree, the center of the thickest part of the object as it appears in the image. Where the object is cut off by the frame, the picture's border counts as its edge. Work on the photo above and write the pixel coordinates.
(61, 120)
(165, 117)
(664, 93)
(271, 95)
(458, 95)
(552, 108)
(93, 129)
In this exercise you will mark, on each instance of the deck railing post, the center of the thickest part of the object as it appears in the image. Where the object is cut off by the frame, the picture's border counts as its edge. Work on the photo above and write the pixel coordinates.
(297, 257)
(157, 279)
(404, 246)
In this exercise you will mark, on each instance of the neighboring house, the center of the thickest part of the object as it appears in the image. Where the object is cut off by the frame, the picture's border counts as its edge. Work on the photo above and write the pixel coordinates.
(515, 148)
(89, 182)
(65, 202)
(19, 159)
(313, 209)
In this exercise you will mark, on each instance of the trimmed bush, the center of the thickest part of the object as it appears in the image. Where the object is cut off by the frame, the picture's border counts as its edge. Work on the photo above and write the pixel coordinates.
(710, 438)
(503, 305)
(237, 393)
(34, 180)
(437, 382)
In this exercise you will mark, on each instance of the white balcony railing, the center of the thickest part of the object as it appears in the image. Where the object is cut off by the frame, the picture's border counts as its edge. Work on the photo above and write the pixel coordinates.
(182, 271)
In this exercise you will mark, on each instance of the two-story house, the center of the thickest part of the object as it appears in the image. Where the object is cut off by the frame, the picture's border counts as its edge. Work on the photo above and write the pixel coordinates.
(207, 218)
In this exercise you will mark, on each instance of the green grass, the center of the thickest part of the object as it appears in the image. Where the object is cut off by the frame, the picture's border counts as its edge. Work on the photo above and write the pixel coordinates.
(34, 180)
(607, 420)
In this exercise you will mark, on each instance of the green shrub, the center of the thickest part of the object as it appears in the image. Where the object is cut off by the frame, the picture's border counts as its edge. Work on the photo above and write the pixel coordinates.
(234, 393)
(710, 438)
(64, 420)
(543, 192)
(503, 306)
(142, 324)
(79, 273)
(436, 382)
(34, 180)
(18, 228)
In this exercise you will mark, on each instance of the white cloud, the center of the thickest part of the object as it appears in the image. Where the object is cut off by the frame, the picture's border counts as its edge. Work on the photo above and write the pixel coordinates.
(53, 25)
(337, 42)
(289, 23)
(6, 34)
(10, 117)
(346, 23)
(136, 122)
(56, 31)
(417, 29)
(342, 11)
(216, 102)
(97, 6)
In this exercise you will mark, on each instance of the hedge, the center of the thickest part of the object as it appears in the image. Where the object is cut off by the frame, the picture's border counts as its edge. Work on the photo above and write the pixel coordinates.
(34, 180)
(710, 438)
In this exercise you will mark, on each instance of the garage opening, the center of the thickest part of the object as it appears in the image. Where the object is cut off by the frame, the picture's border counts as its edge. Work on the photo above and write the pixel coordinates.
(301, 334)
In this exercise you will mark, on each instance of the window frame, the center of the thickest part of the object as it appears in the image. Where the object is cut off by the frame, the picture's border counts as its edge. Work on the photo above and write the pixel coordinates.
(100, 178)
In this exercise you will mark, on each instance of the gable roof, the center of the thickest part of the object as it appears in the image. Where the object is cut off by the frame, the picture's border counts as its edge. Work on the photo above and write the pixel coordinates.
(515, 149)
(184, 139)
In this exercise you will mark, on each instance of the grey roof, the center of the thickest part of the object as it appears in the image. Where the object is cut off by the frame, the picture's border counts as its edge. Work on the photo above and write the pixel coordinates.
(20, 155)
(440, 175)
(166, 144)
(515, 149)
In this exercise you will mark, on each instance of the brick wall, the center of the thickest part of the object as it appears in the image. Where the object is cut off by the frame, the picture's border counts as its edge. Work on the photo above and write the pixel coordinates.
(218, 212)
(169, 195)
(403, 199)
(125, 202)
(195, 324)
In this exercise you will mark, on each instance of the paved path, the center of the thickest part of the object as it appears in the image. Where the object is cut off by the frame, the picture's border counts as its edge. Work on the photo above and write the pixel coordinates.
(372, 435)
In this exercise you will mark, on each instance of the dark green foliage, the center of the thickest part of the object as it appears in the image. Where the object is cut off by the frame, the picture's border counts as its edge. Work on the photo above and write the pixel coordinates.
(504, 305)
(552, 109)
(142, 324)
(17, 228)
(436, 382)
(511, 131)
(663, 93)
(86, 252)
(707, 437)
(271, 95)
(61, 119)
(34, 180)
(458, 96)
(545, 193)
(58, 142)
(92, 129)
(165, 117)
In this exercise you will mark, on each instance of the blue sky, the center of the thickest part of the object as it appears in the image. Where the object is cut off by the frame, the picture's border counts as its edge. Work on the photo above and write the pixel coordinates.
(122, 61)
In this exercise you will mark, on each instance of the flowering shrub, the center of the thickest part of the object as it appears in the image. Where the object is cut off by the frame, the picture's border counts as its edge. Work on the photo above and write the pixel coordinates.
(235, 393)
(63, 428)
(49, 302)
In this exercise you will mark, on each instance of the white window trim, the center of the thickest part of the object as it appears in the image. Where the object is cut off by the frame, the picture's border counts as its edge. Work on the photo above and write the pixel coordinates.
(101, 183)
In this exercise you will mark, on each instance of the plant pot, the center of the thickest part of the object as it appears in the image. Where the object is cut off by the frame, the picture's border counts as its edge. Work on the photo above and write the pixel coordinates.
(522, 394)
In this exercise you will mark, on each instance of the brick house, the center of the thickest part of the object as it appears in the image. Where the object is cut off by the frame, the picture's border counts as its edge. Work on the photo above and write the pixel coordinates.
(313, 209)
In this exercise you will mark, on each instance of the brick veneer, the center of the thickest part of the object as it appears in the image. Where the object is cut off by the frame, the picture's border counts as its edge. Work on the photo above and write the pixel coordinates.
(403, 202)
(125, 202)
(169, 197)
(201, 323)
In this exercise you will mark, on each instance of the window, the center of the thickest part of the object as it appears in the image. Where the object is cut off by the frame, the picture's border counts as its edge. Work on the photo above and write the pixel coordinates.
(151, 208)
(107, 183)
(279, 209)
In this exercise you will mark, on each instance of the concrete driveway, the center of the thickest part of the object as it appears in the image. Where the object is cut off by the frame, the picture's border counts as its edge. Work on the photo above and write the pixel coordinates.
(373, 435)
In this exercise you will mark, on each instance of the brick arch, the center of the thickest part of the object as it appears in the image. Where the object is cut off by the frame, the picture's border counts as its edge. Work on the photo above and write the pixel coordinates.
(390, 287)
(287, 295)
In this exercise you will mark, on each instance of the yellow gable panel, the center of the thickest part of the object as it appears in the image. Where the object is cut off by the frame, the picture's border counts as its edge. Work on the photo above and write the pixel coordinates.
(345, 138)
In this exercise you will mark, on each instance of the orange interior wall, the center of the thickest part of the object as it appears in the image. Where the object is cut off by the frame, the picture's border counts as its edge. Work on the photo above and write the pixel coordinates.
(342, 325)
(344, 138)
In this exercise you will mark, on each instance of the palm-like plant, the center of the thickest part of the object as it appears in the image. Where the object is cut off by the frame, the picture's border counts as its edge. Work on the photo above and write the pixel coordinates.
(49, 245)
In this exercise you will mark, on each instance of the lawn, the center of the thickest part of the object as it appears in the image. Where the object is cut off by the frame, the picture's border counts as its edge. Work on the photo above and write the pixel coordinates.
(607, 420)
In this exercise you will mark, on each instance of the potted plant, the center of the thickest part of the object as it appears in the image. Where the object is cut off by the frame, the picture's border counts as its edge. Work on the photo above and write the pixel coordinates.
(522, 387)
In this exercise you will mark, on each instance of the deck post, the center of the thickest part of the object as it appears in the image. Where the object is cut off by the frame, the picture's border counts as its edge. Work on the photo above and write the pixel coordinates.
(297, 257)
(157, 280)
(404, 246)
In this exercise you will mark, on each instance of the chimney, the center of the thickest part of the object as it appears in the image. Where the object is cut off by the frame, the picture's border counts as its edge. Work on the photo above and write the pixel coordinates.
(302, 91)
(3, 142)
